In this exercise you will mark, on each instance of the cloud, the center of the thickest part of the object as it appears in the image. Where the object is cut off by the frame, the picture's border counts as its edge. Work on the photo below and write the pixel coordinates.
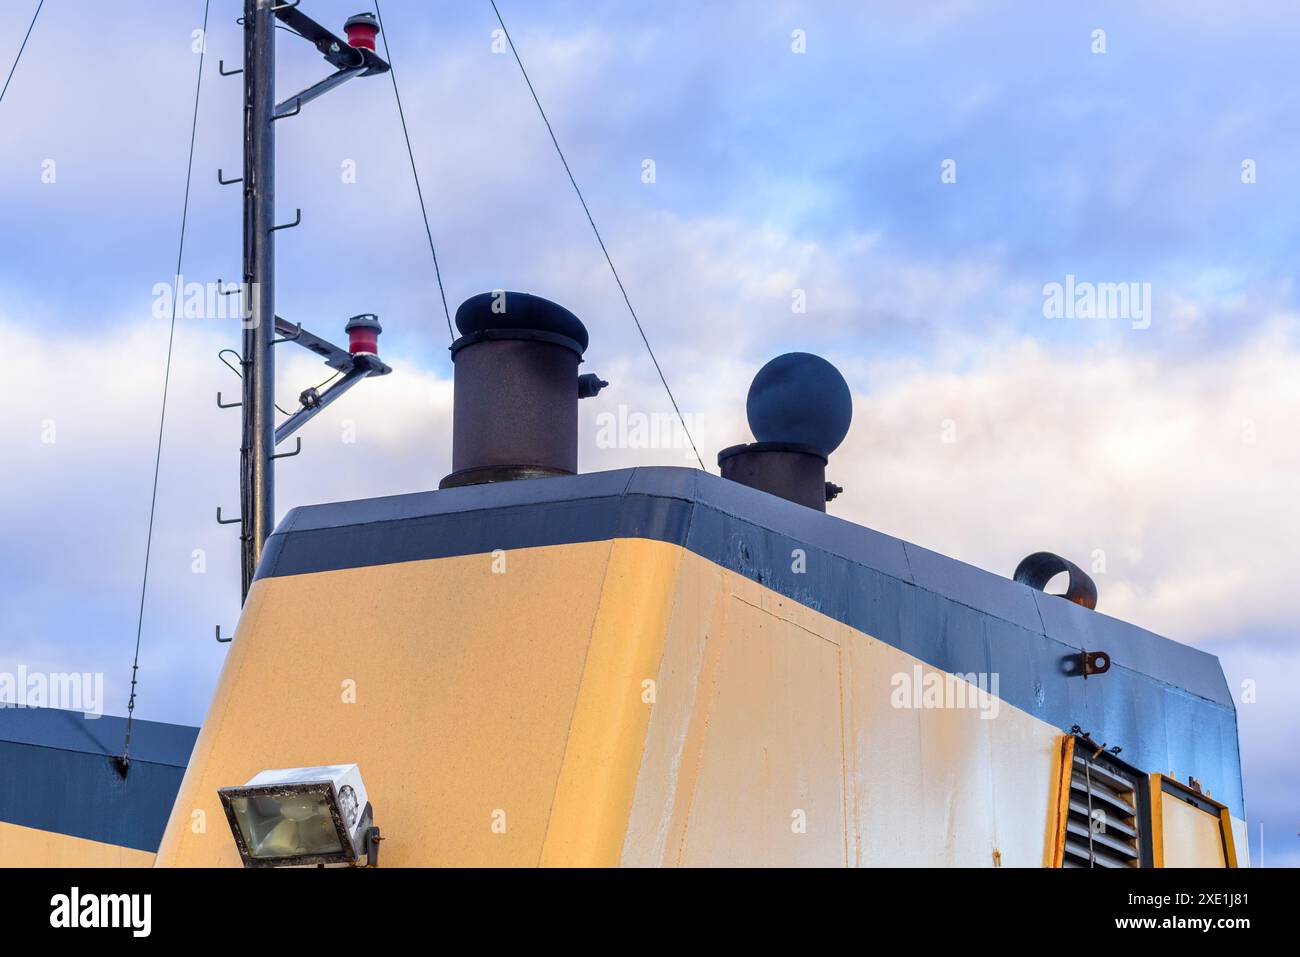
(1173, 472)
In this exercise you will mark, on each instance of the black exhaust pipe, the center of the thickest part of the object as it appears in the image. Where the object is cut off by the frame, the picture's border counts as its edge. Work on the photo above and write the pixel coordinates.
(516, 389)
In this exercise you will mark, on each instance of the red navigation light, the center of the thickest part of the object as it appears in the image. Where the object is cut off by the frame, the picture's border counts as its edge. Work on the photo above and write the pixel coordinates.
(362, 30)
(363, 334)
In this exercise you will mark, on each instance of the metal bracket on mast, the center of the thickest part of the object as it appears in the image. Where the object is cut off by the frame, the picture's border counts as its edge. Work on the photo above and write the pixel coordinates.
(352, 367)
(348, 60)
(356, 52)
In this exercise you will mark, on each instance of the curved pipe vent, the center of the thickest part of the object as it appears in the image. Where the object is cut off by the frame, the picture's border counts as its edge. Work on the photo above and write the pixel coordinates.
(1038, 569)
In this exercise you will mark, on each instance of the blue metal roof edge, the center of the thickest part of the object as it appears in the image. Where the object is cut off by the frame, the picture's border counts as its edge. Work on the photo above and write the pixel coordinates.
(1173, 662)
(154, 742)
(945, 612)
(59, 775)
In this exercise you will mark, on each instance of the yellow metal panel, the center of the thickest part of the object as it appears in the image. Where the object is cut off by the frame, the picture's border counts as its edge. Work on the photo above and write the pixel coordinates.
(1192, 837)
(1156, 788)
(1240, 842)
(466, 672)
(1184, 835)
(945, 785)
(29, 847)
(602, 756)
(668, 766)
(955, 811)
(884, 753)
(1229, 848)
(1026, 787)
(1004, 770)
(689, 753)
(618, 702)
(1065, 770)
(770, 784)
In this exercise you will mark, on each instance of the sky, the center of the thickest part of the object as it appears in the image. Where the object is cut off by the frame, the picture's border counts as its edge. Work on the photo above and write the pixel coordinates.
(914, 174)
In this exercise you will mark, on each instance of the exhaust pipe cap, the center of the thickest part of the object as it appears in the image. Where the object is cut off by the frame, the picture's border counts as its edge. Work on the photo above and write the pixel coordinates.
(518, 315)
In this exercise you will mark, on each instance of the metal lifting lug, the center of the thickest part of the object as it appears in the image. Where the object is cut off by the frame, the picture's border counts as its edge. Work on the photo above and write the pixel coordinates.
(1094, 663)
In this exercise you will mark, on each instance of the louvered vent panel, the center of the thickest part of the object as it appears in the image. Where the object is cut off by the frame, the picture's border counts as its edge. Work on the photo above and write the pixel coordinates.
(1102, 829)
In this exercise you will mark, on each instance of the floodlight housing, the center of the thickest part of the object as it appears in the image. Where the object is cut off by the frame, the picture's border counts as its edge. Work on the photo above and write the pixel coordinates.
(296, 816)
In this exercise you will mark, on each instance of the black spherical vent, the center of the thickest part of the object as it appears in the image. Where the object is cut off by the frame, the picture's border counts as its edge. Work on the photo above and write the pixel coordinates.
(799, 409)
(800, 399)
(519, 315)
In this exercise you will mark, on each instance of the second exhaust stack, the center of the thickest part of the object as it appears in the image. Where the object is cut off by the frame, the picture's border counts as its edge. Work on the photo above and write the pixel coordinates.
(799, 408)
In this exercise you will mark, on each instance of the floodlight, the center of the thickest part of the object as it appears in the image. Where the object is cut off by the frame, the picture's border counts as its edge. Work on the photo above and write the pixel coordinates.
(295, 816)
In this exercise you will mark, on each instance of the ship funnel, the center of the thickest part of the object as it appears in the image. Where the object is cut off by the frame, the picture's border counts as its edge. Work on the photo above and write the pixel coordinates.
(516, 389)
(799, 409)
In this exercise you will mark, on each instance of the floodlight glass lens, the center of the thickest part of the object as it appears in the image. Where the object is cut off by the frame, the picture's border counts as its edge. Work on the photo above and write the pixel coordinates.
(286, 826)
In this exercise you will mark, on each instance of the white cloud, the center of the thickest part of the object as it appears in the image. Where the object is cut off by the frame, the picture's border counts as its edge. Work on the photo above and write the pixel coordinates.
(1180, 470)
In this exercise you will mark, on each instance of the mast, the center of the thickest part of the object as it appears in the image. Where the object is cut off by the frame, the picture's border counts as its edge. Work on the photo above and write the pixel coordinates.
(257, 463)
(355, 56)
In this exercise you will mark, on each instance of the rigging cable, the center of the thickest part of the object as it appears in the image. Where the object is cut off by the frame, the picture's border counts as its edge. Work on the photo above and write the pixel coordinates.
(392, 73)
(603, 247)
(21, 49)
(167, 373)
